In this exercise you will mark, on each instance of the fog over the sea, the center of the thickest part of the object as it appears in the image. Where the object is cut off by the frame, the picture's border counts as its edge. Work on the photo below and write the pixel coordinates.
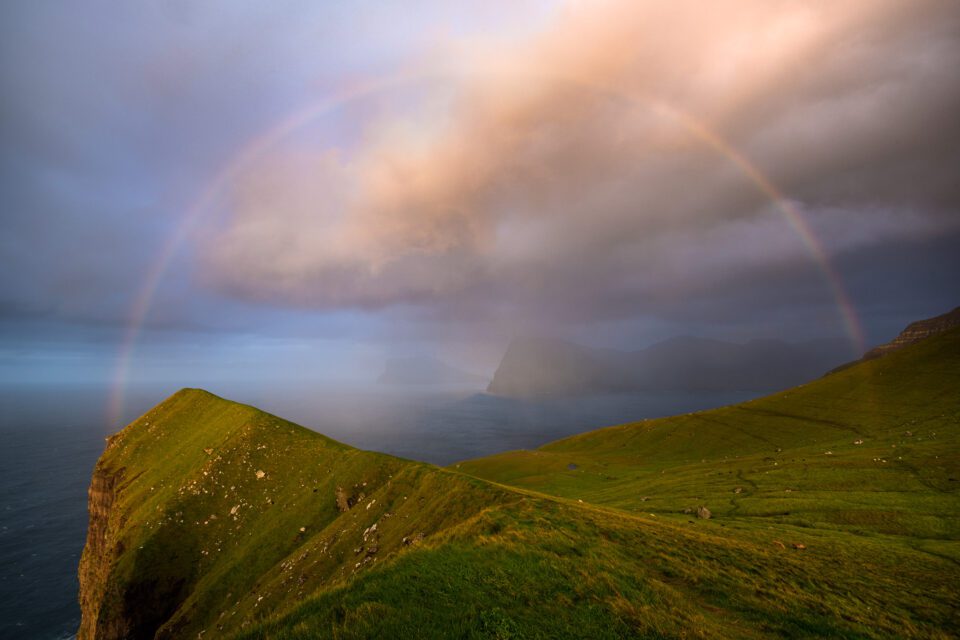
(419, 178)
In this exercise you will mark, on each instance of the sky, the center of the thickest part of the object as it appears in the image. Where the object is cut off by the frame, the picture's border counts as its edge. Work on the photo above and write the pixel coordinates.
(295, 190)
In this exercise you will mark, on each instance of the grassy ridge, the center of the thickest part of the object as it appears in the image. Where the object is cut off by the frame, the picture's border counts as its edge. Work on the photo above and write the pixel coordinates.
(585, 537)
(225, 512)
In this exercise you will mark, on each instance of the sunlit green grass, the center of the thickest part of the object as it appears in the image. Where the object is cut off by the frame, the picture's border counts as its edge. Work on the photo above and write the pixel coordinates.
(587, 537)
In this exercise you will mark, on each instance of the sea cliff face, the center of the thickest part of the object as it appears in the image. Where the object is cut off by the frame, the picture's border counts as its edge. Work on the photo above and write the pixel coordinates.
(542, 367)
(98, 556)
(118, 599)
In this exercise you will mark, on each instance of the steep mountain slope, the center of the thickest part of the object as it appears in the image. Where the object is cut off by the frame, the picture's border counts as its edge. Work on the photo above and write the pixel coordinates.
(811, 534)
(539, 366)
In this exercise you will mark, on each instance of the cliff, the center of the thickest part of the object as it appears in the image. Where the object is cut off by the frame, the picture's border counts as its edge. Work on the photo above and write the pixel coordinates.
(537, 366)
(916, 331)
(206, 515)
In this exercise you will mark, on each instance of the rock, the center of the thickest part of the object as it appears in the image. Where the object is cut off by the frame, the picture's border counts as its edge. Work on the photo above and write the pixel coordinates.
(413, 540)
(209, 452)
(917, 331)
(738, 489)
(799, 545)
(344, 501)
(260, 474)
(688, 510)
(703, 513)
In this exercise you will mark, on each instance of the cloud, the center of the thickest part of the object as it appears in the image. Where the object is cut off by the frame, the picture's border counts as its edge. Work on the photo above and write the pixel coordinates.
(535, 169)
(570, 170)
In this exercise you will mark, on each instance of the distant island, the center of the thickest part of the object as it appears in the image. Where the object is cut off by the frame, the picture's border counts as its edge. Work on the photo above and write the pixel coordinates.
(536, 366)
(426, 371)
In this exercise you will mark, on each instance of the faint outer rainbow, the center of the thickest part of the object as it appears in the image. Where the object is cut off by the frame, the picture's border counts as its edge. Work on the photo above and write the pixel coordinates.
(246, 156)
(260, 144)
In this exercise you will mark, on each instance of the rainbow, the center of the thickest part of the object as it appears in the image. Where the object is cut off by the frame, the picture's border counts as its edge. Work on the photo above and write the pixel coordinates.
(261, 144)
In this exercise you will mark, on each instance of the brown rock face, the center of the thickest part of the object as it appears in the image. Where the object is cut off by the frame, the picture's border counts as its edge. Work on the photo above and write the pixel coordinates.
(344, 501)
(917, 331)
(100, 551)
(117, 602)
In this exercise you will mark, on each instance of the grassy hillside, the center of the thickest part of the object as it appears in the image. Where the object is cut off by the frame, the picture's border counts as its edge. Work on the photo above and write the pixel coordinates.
(872, 449)
(811, 535)
(218, 512)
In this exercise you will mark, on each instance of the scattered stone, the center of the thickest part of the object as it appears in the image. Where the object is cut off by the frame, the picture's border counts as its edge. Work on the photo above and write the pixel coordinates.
(799, 545)
(260, 475)
(209, 452)
(828, 453)
(703, 513)
(344, 501)
(414, 540)
(302, 529)
(858, 441)
(688, 510)
(738, 489)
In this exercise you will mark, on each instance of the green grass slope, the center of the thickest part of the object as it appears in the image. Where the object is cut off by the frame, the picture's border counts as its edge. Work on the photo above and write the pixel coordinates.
(871, 449)
(219, 512)
(583, 538)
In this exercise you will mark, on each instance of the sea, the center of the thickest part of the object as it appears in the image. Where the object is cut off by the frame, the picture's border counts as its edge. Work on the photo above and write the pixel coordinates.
(52, 436)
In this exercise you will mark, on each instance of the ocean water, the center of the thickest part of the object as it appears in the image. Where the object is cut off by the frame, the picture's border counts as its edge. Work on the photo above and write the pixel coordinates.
(52, 437)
